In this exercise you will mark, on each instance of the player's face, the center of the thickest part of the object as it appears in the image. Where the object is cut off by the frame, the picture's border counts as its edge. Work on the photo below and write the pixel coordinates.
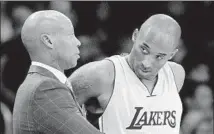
(149, 54)
(67, 47)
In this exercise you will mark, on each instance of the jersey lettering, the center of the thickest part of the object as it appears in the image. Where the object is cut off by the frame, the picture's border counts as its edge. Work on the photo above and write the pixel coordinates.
(152, 118)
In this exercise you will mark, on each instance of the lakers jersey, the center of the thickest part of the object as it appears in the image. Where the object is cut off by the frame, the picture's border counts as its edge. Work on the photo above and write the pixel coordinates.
(133, 110)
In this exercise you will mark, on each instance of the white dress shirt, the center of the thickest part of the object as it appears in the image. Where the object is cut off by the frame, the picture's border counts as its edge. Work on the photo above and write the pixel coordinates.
(59, 75)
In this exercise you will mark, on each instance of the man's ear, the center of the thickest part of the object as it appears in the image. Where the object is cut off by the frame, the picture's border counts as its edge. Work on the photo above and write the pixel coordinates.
(46, 39)
(173, 54)
(134, 35)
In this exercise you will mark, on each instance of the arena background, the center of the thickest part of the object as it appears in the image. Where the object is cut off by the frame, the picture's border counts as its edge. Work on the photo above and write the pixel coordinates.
(105, 29)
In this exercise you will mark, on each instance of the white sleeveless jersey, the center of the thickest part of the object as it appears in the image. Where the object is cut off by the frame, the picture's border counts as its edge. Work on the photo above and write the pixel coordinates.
(132, 110)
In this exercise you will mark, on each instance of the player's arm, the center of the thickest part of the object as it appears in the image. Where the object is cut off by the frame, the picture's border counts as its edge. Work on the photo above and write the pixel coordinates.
(179, 74)
(92, 80)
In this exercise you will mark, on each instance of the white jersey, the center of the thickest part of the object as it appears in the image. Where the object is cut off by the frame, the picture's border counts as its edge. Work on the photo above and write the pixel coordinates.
(132, 110)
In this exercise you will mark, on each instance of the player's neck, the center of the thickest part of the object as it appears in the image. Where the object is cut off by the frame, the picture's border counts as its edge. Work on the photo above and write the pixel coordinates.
(152, 79)
(127, 58)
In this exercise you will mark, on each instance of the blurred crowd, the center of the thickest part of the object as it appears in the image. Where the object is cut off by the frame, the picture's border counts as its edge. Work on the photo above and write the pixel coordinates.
(104, 29)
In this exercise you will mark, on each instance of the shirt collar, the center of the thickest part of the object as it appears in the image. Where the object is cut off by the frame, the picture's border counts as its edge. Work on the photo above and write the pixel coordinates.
(62, 78)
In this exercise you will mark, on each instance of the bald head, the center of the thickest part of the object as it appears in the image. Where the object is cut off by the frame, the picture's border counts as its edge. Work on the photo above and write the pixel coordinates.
(154, 44)
(49, 38)
(161, 26)
(48, 22)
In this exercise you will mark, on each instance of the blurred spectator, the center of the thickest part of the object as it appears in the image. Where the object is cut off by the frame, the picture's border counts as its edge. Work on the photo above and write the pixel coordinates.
(200, 73)
(125, 44)
(203, 97)
(15, 67)
(204, 127)
(176, 7)
(103, 11)
(200, 107)
(65, 7)
(20, 14)
(7, 119)
(17, 12)
(7, 31)
(101, 35)
(7, 96)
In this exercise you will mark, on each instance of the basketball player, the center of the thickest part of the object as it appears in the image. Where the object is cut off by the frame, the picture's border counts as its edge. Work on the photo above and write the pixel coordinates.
(137, 93)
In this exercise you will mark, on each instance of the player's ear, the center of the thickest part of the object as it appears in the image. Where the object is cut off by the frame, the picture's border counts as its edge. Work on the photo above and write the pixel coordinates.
(173, 54)
(46, 39)
(134, 35)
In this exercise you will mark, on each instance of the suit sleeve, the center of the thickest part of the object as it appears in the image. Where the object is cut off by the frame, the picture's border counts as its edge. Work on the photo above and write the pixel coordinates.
(54, 111)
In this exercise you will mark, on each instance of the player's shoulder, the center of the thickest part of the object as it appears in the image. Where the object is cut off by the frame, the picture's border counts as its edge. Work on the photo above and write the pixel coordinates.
(178, 72)
(101, 71)
(176, 67)
(95, 78)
